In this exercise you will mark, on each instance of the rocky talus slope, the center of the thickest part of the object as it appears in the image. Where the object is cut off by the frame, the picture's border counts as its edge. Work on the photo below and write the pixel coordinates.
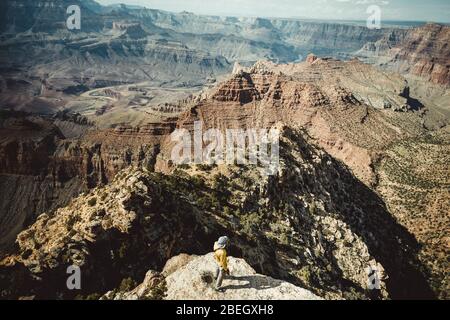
(192, 278)
(313, 224)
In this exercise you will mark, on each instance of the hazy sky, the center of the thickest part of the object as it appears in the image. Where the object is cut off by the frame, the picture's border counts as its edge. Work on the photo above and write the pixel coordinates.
(423, 10)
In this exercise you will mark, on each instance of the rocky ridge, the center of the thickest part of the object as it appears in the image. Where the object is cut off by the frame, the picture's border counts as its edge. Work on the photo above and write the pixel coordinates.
(314, 230)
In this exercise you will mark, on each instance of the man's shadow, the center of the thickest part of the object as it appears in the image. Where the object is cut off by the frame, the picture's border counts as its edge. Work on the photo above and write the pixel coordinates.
(257, 282)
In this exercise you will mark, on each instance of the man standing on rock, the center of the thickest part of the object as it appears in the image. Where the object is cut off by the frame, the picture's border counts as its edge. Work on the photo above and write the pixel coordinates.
(220, 254)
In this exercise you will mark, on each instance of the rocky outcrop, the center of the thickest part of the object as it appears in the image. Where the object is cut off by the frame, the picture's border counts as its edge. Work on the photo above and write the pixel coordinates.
(311, 58)
(41, 169)
(340, 104)
(240, 89)
(195, 281)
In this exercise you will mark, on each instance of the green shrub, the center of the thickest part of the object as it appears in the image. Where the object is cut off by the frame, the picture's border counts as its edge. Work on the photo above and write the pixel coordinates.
(198, 181)
(304, 274)
(123, 250)
(158, 292)
(93, 296)
(205, 167)
(252, 222)
(127, 284)
(92, 201)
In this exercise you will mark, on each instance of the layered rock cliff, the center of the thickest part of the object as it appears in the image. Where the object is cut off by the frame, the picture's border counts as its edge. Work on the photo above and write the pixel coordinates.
(42, 169)
(340, 104)
(421, 52)
(286, 38)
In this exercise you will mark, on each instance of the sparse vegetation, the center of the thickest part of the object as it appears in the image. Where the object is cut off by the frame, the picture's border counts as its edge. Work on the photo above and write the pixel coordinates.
(158, 292)
(127, 284)
(92, 201)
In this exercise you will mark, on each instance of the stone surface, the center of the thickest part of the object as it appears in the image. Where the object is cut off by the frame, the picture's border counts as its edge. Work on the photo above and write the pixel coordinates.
(195, 281)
